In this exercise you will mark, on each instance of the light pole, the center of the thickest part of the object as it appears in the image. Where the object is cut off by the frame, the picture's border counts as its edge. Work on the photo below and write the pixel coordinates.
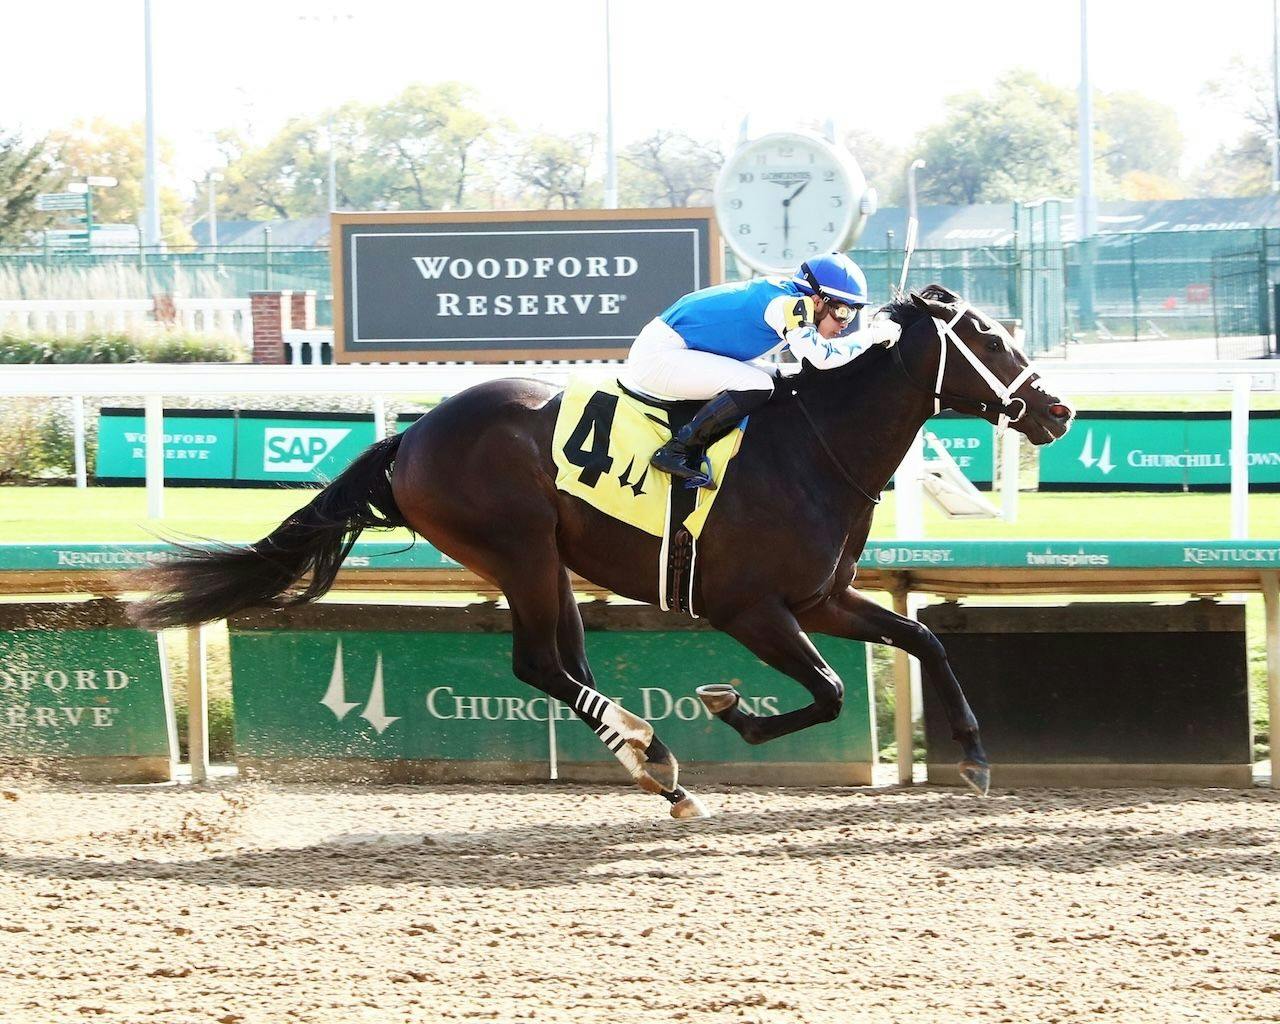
(913, 222)
(213, 178)
(332, 19)
(1275, 99)
(610, 156)
(151, 189)
(1086, 213)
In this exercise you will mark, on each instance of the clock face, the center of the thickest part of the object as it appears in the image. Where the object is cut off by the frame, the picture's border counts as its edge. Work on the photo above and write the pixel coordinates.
(785, 197)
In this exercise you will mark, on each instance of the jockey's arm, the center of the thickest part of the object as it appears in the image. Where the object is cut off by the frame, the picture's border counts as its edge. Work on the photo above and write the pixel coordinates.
(793, 319)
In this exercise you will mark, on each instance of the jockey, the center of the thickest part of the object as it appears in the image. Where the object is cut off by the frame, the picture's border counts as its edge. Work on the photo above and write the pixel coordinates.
(703, 347)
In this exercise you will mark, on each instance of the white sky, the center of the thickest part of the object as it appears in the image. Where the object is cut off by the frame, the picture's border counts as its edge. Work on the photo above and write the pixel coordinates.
(699, 65)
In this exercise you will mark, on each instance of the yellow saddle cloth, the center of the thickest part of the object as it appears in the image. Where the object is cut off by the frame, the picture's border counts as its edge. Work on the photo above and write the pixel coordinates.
(603, 442)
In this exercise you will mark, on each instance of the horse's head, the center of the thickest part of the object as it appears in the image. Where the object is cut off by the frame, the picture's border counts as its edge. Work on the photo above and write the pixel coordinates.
(968, 361)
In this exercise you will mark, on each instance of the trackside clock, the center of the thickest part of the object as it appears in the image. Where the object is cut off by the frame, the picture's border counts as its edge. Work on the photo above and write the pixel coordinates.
(783, 197)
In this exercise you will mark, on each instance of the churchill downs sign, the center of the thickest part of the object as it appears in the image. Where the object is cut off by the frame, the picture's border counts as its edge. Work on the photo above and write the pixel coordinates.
(495, 287)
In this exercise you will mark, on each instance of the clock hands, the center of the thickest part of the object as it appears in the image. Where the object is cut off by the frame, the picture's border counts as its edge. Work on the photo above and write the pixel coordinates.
(786, 211)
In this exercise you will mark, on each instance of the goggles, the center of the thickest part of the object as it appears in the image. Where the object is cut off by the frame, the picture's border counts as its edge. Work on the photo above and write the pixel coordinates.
(843, 312)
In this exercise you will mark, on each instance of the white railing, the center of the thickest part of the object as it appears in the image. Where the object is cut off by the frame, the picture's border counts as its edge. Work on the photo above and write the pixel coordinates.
(308, 348)
(217, 316)
(76, 316)
(153, 381)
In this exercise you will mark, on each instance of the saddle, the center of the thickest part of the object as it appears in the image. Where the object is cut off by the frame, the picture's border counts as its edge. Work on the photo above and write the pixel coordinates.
(604, 438)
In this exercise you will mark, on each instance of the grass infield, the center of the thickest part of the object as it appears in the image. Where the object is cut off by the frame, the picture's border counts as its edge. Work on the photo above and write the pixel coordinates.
(30, 514)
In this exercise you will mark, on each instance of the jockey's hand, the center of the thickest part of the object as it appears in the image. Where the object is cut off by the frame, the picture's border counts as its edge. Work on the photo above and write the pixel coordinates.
(883, 332)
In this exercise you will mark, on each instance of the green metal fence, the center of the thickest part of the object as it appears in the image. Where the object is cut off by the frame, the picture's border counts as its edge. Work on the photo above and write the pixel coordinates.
(1117, 287)
(206, 272)
(1138, 286)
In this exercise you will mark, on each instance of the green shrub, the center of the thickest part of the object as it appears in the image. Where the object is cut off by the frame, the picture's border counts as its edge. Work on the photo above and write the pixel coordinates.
(36, 439)
(120, 347)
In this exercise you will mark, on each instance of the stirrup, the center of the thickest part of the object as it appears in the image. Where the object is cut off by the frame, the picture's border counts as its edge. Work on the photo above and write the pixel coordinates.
(701, 476)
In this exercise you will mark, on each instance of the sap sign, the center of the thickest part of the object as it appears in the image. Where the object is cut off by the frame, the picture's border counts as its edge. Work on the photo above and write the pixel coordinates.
(298, 449)
(298, 446)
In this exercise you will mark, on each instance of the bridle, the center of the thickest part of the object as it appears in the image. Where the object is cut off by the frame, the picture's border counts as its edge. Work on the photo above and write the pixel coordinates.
(1005, 403)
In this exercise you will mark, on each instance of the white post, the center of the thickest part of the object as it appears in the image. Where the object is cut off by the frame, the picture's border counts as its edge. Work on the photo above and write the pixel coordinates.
(1271, 602)
(379, 410)
(904, 706)
(1010, 448)
(155, 456)
(1240, 458)
(151, 188)
(213, 210)
(197, 706)
(1086, 218)
(909, 492)
(553, 753)
(77, 427)
(610, 155)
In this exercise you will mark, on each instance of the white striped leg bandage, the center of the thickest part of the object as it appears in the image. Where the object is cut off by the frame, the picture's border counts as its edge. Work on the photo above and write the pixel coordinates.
(614, 725)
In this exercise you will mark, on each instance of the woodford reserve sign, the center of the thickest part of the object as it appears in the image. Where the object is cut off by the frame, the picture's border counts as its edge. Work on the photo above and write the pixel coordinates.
(497, 287)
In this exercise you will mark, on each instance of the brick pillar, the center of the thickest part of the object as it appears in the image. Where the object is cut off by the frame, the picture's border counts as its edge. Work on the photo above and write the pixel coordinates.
(304, 311)
(272, 314)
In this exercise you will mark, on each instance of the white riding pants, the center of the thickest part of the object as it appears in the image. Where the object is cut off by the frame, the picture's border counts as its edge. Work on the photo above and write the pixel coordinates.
(661, 365)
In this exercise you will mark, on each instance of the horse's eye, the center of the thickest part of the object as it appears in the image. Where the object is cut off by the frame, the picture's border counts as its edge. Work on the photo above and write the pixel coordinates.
(994, 345)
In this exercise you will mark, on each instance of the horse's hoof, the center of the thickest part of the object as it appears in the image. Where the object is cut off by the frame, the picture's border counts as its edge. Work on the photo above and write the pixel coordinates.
(689, 808)
(977, 776)
(718, 697)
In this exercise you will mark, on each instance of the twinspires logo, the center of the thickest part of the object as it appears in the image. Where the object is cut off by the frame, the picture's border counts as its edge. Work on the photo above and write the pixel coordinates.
(299, 449)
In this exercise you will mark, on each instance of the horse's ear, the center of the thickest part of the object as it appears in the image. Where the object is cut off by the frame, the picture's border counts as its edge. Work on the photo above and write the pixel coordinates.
(920, 302)
(938, 293)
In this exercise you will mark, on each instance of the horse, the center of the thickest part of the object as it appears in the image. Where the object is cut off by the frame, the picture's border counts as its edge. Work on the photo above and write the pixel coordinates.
(777, 556)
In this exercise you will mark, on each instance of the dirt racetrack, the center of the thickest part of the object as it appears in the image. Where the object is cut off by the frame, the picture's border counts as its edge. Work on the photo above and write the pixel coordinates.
(248, 902)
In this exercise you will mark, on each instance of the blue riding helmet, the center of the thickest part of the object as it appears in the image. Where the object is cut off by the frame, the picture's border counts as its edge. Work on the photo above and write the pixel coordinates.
(833, 276)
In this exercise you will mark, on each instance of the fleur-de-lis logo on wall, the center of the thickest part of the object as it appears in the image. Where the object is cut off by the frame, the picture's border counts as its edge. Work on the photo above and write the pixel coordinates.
(335, 697)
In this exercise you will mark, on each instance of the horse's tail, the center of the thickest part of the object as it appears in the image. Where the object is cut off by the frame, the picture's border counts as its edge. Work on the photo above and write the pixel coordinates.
(202, 584)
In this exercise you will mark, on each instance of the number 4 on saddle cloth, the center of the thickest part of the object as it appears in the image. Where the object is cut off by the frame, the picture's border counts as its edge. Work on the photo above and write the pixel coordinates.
(604, 439)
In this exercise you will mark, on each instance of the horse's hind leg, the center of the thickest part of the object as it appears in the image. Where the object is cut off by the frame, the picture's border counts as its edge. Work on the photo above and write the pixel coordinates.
(571, 642)
(533, 588)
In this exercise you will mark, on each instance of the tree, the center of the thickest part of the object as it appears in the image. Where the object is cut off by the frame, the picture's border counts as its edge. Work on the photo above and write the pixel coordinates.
(416, 152)
(103, 148)
(286, 177)
(1137, 133)
(25, 171)
(668, 169)
(1015, 144)
(426, 139)
(883, 165)
(554, 170)
(1241, 168)
(1140, 185)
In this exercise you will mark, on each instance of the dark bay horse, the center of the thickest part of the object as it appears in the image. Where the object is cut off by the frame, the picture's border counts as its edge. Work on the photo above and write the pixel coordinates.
(475, 477)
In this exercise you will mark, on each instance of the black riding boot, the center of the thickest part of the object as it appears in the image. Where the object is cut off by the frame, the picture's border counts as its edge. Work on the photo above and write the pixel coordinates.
(682, 456)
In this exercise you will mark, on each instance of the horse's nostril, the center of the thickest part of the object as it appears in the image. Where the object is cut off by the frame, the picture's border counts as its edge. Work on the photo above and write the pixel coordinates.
(1059, 411)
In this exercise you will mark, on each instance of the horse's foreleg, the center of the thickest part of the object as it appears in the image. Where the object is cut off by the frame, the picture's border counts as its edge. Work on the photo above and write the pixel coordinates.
(855, 617)
(544, 622)
(773, 635)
